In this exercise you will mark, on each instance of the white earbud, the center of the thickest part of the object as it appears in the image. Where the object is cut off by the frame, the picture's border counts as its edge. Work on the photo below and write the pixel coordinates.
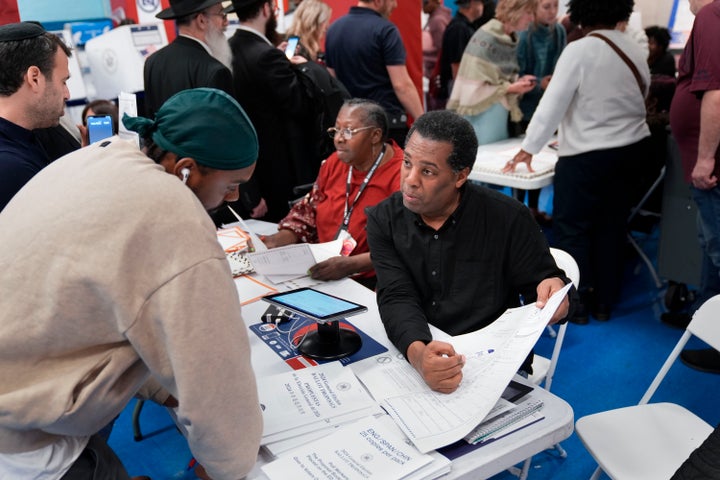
(185, 173)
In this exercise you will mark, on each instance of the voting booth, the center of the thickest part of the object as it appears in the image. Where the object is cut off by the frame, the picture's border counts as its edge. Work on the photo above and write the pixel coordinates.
(76, 82)
(116, 58)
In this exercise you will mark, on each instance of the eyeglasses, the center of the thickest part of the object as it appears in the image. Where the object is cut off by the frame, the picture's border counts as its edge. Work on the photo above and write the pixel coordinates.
(220, 14)
(347, 133)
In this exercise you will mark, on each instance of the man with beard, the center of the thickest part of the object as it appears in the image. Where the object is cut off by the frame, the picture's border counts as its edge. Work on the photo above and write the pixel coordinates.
(198, 57)
(271, 90)
(33, 75)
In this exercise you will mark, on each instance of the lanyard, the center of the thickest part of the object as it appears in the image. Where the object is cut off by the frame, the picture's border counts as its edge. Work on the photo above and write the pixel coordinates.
(349, 208)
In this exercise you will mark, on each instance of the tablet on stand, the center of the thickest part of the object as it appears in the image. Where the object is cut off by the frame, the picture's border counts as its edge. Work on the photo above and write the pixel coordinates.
(329, 341)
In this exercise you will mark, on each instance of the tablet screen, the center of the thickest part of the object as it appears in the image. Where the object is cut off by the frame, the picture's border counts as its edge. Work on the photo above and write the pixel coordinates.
(315, 304)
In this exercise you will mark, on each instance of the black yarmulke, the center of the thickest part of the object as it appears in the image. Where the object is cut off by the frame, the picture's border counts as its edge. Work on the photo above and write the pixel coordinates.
(13, 32)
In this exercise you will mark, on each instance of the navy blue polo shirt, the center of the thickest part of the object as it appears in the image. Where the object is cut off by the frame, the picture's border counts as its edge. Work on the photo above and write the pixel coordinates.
(360, 46)
(21, 157)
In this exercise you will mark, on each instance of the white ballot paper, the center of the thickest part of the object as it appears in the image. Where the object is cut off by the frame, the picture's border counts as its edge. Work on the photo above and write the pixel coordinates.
(493, 162)
(292, 261)
(493, 355)
(373, 449)
(309, 396)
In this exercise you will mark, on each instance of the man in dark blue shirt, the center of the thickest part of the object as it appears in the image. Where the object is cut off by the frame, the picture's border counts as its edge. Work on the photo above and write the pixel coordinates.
(365, 52)
(33, 91)
(450, 253)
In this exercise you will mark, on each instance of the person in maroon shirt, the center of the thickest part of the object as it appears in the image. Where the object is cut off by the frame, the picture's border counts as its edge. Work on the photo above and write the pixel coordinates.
(695, 123)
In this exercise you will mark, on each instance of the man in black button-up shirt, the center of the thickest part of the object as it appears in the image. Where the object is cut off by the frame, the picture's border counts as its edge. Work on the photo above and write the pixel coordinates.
(450, 253)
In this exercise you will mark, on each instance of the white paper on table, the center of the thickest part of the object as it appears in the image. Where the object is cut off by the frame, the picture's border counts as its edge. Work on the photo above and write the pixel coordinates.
(363, 450)
(307, 433)
(493, 355)
(493, 162)
(250, 289)
(387, 376)
(287, 283)
(439, 466)
(258, 244)
(260, 227)
(233, 239)
(292, 261)
(301, 397)
(326, 250)
(298, 433)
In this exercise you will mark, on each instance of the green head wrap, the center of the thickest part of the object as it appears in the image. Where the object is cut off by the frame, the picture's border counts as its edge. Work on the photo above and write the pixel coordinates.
(205, 124)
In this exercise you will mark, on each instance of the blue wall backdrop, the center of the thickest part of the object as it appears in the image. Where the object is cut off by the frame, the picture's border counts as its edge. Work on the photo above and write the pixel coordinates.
(55, 11)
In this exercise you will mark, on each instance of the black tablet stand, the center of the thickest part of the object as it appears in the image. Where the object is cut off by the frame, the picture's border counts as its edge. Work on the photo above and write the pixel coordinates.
(330, 342)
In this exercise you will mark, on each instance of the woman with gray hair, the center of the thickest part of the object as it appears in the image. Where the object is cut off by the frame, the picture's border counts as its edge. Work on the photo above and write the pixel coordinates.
(364, 170)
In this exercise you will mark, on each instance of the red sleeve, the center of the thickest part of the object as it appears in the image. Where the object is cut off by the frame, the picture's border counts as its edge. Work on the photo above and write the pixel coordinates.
(302, 218)
(706, 38)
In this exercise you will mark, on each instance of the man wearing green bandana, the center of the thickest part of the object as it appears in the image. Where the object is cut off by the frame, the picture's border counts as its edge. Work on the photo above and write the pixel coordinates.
(113, 280)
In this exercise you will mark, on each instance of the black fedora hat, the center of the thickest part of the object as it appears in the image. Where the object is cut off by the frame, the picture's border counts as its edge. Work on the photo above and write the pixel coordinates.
(182, 8)
(239, 4)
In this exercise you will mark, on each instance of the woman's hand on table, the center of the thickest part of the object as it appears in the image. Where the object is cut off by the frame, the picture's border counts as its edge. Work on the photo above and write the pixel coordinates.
(281, 238)
(521, 157)
(334, 268)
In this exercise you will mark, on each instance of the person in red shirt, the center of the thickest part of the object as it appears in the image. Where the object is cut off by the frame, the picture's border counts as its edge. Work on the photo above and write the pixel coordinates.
(363, 171)
(695, 123)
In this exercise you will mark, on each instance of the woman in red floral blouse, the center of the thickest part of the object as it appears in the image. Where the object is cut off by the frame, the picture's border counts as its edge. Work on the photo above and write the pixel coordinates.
(364, 170)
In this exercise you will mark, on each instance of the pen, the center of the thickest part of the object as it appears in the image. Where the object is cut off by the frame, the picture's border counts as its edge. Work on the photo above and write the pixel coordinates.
(257, 244)
(481, 353)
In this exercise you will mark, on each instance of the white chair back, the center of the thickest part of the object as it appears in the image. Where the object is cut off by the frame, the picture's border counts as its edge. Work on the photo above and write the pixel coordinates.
(650, 440)
(544, 368)
(568, 264)
(705, 323)
(705, 326)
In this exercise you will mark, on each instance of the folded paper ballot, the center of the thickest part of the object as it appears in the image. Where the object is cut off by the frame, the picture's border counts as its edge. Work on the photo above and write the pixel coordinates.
(304, 400)
(292, 261)
(373, 449)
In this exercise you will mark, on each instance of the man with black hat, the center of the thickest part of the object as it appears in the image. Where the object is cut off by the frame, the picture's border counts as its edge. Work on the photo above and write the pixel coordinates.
(33, 75)
(280, 106)
(119, 279)
(198, 57)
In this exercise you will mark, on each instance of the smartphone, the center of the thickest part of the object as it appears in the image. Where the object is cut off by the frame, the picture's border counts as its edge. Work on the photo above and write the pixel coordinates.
(292, 43)
(99, 127)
